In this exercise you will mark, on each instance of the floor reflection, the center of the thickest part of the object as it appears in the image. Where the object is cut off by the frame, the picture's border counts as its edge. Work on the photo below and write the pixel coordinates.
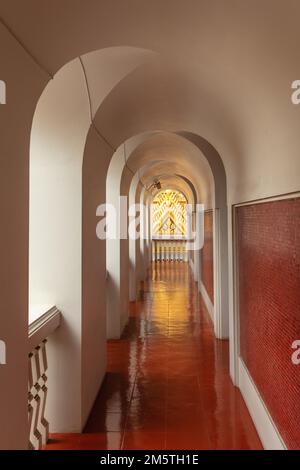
(168, 384)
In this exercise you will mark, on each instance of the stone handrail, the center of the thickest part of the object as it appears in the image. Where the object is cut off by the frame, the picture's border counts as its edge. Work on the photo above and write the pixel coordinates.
(38, 332)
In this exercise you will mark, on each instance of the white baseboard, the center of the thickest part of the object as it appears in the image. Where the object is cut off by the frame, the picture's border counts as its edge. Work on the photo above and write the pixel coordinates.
(207, 301)
(267, 431)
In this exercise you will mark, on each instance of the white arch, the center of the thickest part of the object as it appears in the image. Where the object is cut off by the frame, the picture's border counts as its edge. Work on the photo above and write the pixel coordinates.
(119, 178)
(2, 92)
(63, 248)
(137, 248)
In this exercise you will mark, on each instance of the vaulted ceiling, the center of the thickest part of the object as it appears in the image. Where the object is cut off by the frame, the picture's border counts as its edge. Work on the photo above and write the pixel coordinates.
(222, 70)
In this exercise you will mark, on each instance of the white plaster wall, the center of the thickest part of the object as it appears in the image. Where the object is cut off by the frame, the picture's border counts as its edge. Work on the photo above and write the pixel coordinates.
(144, 238)
(133, 255)
(117, 265)
(15, 121)
(60, 126)
(93, 347)
(66, 269)
(139, 258)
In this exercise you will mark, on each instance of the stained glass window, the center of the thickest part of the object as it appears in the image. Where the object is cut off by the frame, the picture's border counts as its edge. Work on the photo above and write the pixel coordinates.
(169, 215)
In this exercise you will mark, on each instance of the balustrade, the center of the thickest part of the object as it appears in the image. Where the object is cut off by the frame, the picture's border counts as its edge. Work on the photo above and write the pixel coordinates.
(38, 332)
(169, 249)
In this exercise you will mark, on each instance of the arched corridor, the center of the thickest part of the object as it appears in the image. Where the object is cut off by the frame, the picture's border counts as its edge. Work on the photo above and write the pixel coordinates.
(168, 384)
(127, 320)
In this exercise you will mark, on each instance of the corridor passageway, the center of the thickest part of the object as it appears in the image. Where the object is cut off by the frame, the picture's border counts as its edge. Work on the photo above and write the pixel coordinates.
(150, 209)
(168, 384)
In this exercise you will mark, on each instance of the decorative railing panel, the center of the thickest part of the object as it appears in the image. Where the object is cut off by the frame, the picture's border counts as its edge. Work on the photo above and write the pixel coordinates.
(169, 249)
(39, 330)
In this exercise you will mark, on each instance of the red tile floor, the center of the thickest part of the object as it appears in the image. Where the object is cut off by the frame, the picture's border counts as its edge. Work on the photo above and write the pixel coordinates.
(167, 383)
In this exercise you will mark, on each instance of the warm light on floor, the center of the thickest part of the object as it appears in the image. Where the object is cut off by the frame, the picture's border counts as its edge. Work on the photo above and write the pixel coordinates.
(168, 384)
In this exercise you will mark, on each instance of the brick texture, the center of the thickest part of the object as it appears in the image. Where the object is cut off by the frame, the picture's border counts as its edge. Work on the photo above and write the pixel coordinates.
(207, 254)
(268, 237)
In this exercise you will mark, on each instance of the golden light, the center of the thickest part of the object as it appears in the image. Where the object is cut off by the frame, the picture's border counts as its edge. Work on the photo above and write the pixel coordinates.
(169, 216)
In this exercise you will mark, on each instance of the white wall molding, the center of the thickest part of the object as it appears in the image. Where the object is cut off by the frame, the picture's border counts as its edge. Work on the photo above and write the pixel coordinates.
(233, 297)
(268, 433)
(207, 300)
(42, 327)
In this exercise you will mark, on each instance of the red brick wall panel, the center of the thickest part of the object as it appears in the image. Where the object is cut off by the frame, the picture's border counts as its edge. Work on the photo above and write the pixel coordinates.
(207, 255)
(268, 237)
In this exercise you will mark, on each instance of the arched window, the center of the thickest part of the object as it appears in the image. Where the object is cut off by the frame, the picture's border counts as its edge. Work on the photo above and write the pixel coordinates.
(169, 214)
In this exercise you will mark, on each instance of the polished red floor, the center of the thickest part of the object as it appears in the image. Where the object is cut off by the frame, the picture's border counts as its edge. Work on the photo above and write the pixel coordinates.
(167, 385)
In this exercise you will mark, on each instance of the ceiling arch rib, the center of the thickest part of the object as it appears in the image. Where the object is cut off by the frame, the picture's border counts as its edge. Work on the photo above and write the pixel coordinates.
(232, 114)
(177, 156)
